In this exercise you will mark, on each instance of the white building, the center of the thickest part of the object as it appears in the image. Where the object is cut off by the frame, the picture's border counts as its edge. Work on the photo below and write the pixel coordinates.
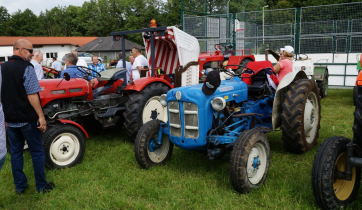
(49, 46)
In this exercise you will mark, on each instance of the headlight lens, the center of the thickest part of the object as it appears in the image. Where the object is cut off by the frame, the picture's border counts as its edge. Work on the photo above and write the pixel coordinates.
(163, 100)
(218, 103)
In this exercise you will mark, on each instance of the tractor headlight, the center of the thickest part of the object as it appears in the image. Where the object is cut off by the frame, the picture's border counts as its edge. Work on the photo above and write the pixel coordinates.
(218, 103)
(163, 100)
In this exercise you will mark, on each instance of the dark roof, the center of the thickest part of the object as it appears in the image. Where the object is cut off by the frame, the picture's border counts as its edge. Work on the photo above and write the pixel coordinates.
(107, 44)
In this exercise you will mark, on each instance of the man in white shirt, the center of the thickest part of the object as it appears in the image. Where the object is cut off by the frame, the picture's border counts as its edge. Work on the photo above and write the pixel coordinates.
(139, 64)
(57, 65)
(36, 61)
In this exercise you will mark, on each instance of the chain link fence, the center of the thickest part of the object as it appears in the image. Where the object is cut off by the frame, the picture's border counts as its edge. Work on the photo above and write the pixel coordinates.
(319, 29)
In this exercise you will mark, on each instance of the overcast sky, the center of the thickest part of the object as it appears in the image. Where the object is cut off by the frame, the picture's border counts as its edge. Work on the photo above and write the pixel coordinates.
(37, 5)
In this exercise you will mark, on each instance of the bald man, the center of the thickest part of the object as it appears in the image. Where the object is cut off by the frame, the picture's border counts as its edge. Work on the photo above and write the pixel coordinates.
(23, 115)
(36, 61)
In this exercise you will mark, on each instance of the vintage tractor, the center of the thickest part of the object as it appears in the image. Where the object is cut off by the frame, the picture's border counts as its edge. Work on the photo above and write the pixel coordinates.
(235, 118)
(67, 103)
(336, 173)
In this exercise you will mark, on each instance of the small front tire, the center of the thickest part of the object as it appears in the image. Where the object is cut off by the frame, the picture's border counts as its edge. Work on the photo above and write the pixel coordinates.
(64, 146)
(249, 161)
(147, 151)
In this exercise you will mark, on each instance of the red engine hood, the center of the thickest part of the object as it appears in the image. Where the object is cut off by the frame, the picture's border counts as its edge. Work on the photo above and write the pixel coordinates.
(52, 89)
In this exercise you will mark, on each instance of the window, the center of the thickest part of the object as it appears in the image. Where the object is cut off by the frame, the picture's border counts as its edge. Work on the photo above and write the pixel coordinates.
(51, 55)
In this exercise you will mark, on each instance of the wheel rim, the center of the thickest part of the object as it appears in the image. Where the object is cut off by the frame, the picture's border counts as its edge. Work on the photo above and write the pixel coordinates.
(343, 188)
(256, 165)
(64, 149)
(311, 117)
(153, 110)
(158, 153)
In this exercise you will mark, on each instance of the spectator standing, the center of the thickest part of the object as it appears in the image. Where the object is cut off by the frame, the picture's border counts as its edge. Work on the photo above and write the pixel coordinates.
(57, 65)
(36, 61)
(128, 66)
(96, 66)
(24, 116)
(2, 134)
(139, 64)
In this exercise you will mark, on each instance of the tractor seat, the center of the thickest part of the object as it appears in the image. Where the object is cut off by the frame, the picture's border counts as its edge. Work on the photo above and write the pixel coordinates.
(109, 74)
(259, 84)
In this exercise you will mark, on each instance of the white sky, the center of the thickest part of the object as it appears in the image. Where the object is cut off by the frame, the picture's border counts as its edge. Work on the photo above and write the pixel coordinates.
(37, 5)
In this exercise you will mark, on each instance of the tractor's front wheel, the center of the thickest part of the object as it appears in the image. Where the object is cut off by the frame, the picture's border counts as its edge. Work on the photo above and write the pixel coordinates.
(148, 150)
(144, 106)
(64, 146)
(301, 116)
(249, 161)
(330, 190)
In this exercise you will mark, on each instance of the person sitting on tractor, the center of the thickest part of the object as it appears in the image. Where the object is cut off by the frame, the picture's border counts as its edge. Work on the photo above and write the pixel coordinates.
(74, 71)
(285, 63)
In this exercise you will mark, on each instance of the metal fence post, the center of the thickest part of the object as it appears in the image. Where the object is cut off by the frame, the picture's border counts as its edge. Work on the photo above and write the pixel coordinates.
(297, 30)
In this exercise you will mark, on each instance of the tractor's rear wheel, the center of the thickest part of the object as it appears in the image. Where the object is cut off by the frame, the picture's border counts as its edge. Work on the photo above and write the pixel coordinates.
(301, 116)
(331, 191)
(64, 146)
(144, 106)
(249, 161)
(147, 151)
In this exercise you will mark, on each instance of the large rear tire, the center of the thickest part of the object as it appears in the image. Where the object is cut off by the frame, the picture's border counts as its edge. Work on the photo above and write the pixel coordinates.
(249, 161)
(147, 151)
(330, 191)
(301, 116)
(144, 106)
(64, 146)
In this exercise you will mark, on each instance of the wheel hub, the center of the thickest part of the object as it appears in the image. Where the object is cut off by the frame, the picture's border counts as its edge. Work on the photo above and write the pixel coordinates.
(64, 149)
(311, 114)
(256, 165)
(256, 162)
(154, 114)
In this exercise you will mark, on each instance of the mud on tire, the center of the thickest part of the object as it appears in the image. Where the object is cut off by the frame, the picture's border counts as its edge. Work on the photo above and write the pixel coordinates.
(301, 116)
(249, 161)
(64, 146)
(329, 191)
(135, 104)
(145, 156)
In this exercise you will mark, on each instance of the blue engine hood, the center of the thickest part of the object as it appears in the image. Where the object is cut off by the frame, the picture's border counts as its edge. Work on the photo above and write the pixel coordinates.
(230, 90)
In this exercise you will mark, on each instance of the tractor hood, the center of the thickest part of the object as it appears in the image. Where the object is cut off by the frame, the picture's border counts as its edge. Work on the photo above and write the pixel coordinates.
(190, 113)
(231, 90)
(53, 89)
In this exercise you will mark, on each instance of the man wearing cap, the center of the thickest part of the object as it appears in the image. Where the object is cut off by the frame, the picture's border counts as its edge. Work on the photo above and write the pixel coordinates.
(285, 63)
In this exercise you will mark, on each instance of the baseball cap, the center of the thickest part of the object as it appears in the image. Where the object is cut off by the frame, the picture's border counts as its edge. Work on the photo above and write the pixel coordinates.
(288, 49)
(211, 83)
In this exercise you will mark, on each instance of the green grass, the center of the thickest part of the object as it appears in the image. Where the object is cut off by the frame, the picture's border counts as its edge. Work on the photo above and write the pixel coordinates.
(109, 177)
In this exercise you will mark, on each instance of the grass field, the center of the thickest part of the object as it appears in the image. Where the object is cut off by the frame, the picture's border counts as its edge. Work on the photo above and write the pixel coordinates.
(109, 177)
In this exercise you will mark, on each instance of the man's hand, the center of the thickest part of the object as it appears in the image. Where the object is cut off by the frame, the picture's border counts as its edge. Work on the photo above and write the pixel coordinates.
(42, 124)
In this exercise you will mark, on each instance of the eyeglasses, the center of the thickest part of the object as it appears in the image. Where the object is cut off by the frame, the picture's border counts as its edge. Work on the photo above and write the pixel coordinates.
(29, 50)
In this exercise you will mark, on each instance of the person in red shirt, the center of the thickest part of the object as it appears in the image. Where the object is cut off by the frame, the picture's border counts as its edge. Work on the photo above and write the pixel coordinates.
(285, 63)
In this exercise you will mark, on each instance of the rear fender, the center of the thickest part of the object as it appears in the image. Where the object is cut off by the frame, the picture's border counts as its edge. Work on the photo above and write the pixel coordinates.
(279, 95)
(140, 84)
(64, 121)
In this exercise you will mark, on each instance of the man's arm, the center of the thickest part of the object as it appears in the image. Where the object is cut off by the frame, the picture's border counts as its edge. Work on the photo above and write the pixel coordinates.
(35, 103)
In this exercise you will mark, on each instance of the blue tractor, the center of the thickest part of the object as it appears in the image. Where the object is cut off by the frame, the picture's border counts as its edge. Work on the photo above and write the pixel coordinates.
(234, 116)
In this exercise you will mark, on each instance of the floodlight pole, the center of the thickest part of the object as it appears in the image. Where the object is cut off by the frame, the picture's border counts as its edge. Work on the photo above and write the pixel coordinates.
(264, 20)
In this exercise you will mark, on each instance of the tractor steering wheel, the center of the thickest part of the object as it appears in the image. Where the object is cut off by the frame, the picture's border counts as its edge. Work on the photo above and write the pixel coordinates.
(87, 71)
